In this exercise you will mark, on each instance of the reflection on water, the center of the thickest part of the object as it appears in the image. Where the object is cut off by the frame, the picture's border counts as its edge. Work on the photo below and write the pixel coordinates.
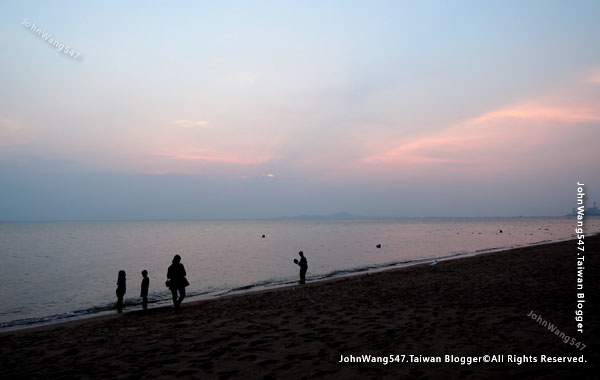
(53, 268)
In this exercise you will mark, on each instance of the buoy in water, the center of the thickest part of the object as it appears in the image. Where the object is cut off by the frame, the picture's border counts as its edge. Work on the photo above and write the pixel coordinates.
(263, 236)
(378, 245)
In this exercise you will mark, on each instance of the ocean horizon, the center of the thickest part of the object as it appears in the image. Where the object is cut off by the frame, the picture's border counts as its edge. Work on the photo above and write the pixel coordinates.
(58, 270)
(333, 216)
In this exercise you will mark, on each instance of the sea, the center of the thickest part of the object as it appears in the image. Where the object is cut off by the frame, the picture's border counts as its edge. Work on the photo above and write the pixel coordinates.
(54, 271)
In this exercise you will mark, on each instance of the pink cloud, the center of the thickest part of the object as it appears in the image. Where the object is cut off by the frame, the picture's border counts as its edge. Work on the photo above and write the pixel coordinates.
(194, 147)
(223, 158)
(192, 161)
(542, 112)
(499, 139)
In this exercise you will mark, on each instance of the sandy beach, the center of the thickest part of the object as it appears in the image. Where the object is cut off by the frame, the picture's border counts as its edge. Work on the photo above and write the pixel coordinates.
(468, 307)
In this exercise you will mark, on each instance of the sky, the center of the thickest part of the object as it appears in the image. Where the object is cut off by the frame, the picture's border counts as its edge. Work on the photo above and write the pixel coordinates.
(258, 109)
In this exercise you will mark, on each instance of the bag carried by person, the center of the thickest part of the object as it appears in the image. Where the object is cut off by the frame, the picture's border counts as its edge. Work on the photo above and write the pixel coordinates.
(184, 282)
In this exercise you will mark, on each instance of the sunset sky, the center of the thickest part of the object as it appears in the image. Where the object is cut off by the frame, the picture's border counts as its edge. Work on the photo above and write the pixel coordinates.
(257, 109)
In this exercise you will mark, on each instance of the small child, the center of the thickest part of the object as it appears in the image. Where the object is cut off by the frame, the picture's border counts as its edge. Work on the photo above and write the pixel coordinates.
(145, 285)
(121, 289)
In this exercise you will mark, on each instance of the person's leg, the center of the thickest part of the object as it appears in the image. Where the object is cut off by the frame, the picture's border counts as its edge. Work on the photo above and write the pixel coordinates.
(181, 294)
(174, 294)
(120, 304)
(302, 276)
(145, 302)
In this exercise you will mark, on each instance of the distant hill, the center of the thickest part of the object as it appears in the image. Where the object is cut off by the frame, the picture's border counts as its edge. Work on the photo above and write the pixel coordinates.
(337, 215)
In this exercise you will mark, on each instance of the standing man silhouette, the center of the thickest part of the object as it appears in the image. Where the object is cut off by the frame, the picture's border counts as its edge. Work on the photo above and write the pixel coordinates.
(303, 264)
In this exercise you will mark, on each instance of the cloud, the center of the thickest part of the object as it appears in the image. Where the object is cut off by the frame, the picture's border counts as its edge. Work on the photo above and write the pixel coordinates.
(498, 139)
(573, 114)
(215, 157)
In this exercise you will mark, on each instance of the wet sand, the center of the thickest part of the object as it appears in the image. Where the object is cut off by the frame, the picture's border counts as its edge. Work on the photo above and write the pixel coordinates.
(471, 306)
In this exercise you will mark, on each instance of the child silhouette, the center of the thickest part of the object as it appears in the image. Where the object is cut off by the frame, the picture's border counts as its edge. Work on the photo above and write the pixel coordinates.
(121, 289)
(144, 291)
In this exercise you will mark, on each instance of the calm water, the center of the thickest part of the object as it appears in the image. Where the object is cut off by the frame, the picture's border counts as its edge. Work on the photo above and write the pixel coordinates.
(61, 269)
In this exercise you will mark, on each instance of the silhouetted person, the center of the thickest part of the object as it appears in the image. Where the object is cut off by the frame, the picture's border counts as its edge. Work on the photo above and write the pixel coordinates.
(121, 289)
(177, 281)
(144, 292)
(303, 264)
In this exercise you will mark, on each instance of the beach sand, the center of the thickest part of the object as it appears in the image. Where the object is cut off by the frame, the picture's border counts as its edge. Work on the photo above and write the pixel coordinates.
(472, 306)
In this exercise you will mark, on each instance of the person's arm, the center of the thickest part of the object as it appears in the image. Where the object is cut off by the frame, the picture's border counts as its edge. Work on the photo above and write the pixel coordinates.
(183, 270)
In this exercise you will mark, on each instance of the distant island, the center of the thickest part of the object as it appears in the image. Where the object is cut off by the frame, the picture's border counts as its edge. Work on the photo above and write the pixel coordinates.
(337, 215)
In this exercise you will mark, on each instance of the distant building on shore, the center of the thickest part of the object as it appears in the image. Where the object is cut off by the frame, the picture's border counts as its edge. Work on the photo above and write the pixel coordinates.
(590, 211)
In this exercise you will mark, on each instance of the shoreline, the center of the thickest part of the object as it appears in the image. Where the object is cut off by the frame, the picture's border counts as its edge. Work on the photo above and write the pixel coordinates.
(249, 289)
(471, 307)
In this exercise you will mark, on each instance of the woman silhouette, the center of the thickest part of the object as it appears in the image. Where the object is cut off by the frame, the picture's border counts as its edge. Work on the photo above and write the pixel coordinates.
(176, 280)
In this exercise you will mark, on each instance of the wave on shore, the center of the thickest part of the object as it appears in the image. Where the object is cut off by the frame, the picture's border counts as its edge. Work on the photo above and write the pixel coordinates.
(163, 299)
